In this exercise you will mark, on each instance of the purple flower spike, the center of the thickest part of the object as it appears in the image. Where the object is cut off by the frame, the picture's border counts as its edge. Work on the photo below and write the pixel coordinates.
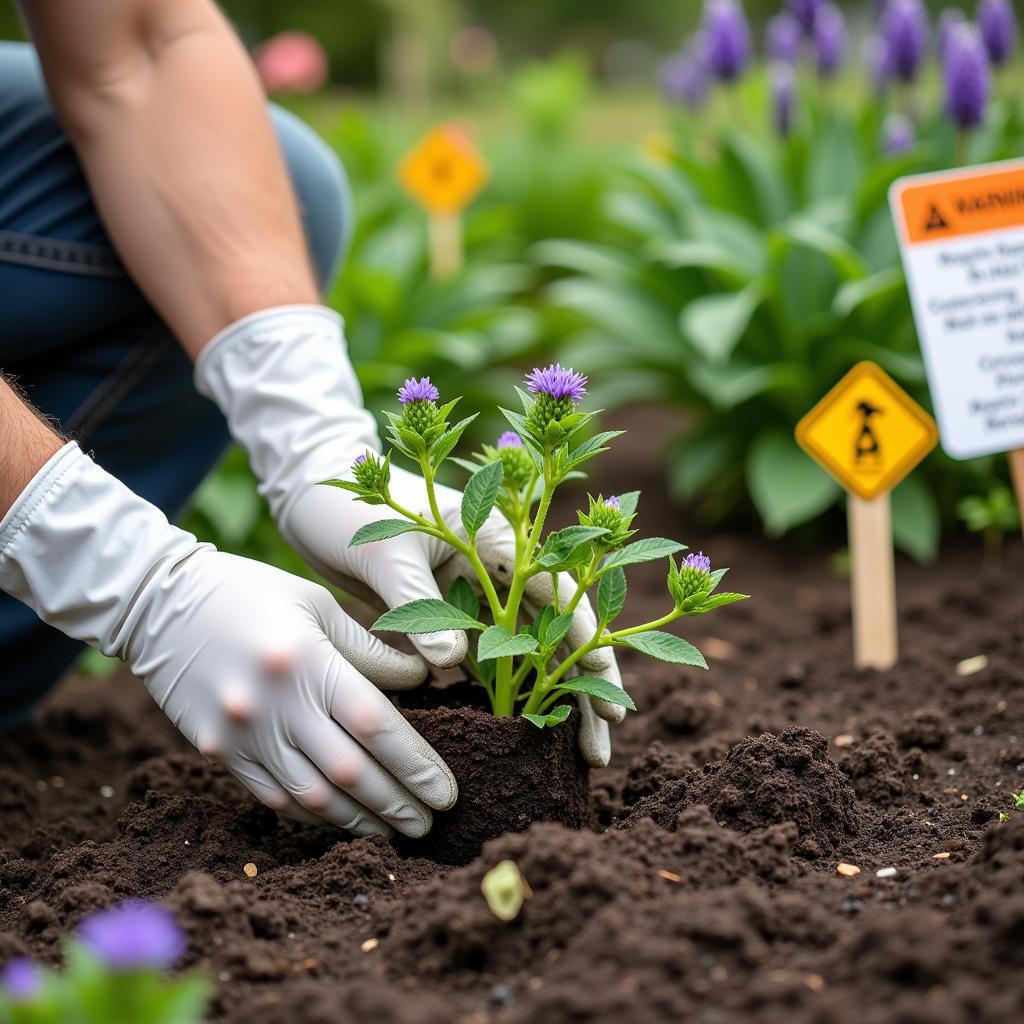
(612, 502)
(782, 38)
(684, 80)
(134, 936)
(697, 560)
(805, 11)
(21, 980)
(783, 95)
(725, 39)
(998, 24)
(877, 58)
(966, 74)
(898, 134)
(905, 31)
(359, 460)
(949, 19)
(829, 40)
(414, 390)
(557, 382)
(510, 439)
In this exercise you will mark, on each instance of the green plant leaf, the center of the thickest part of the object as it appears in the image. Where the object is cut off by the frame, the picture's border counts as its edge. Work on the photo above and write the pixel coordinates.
(647, 550)
(561, 544)
(383, 529)
(497, 642)
(479, 496)
(714, 601)
(595, 686)
(557, 628)
(444, 446)
(461, 595)
(593, 446)
(915, 520)
(426, 615)
(628, 503)
(715, 323)
(556, 716)
(665, 647)
(611, 594)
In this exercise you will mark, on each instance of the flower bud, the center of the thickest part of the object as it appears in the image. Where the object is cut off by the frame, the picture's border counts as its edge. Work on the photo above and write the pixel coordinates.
(517, 466)
(419, 411)
(557, 392)
(371, 472)
(607, 514)
(692, 577)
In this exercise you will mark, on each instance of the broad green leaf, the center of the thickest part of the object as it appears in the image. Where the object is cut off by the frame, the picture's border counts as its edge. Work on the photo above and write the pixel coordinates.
(449, 441)
(715, 323)
(666, 647)
(593, 446)
(461, 595)
(595, 686)
(647, 550)
(611, 594)
(714, 601)
(706, 256)
(628, 503)
(542, 620)
(497, 642)
(383, 529)
(556, 716)
(915, 520)
(345, 485)
(856, 293)
(426, 615)
(479, 495)
(557, 628)
(560, 545)
(787, 485)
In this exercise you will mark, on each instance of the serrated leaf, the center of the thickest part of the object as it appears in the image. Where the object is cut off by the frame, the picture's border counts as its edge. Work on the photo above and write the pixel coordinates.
(562, 543)
(593, 446)
(611, 594)
(595, 686)
(716, 577)
(471, 467)
(345, 485)
(647, 550)
(461, 595)
(557, 629)
(719, 601)
(497, 642)
(426, 615)
(628, 503)
(383, 529)
(557, 715)
(519, 422)
(449, 441)
(541, 621)
(479, 495)
(665, 647)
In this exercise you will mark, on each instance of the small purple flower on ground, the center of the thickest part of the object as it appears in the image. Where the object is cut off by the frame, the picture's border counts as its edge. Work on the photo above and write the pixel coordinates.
(134, 936)
(905, 31)
(697, 560)
(725, 39)
(414, 390)
(510, 439)
(557, 382)
(829, 39)
(805, 11)
(998, 24)
(898, 133)
(783, 83)
(683, 80)
(966, 74)
(21, 980)
(612, 502)
(782, 38)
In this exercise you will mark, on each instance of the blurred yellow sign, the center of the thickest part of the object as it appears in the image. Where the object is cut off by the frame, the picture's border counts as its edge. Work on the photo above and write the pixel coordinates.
(444, 172)
(867, 432)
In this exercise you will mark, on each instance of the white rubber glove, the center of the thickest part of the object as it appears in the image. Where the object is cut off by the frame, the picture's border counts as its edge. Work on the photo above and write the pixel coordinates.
(291, 398)
(259, 669)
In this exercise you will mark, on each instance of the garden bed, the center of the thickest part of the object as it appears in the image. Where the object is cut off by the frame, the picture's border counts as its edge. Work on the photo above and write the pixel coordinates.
(711, 891)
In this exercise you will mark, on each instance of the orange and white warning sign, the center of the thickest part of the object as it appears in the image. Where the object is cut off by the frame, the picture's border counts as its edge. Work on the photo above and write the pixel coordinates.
(444, 171)
(962, 238)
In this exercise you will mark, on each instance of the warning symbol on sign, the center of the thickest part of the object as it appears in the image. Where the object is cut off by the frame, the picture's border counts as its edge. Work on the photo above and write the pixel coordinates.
(935, 222)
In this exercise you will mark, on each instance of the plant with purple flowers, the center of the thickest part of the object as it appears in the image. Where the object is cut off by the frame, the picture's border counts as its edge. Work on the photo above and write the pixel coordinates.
(523, 659)
(114, 974)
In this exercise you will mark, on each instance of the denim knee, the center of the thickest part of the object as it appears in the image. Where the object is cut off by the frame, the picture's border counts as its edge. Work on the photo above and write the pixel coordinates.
(322, 188)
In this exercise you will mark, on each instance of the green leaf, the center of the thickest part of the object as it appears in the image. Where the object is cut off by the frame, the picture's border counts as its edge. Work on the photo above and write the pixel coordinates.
(556, 716)
(345, 485)
(557, 628)
(383, 529)
(611, 594)
(593, 446)
(715, 323)
(519, 422)
(647, 550)
(787, 485)
(595, 686)
(449, 441)
(426, 615)
(628, 503)
(719, 601)
(479, 495)
(560, 545)
(461, 595)
(915, 520)
(497, 642)
(665, 647)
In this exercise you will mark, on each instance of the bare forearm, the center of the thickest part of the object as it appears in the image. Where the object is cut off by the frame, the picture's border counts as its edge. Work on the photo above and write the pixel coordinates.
(166, 114)
(26, 444)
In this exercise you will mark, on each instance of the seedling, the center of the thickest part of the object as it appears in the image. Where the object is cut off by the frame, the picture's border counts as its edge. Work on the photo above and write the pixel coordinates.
(521, 659)
(1018, 804)
(993, 516)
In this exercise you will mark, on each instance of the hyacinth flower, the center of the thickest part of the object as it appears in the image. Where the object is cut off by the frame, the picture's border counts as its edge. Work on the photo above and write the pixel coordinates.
(966, 81)
(725, 39)
(904, 30)
(897, 134)
(783, 38)
(876, 57)
(783, 85)
(805, 12)
(949, 19)
(998, 24)
(683, 80)
(829, 40)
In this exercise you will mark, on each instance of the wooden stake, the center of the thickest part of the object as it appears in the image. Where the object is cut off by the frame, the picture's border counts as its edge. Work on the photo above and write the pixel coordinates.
(872, 582)
(445, 244)
(1016, 458)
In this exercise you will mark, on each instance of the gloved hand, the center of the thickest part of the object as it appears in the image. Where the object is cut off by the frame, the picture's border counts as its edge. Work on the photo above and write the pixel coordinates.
(284, 382)
(259, 669)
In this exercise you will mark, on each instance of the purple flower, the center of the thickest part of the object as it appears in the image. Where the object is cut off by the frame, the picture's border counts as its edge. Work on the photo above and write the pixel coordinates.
(683, 80)
(966, 75)
(998, 24)
(135, 935)
(725, 39)
(805, 11)
(510, 439)
(949, 19)
(612, 502)
(898, 134)
(21, 980)
(414, 390)
(876, 56)
(783, 83)
(905, 31)
(782, 38)
(697, 560)
(557, 382)
(829, 39)
(359, 460)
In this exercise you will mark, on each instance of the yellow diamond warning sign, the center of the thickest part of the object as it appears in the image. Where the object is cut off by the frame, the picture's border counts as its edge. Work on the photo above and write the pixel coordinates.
(443, 172)
(867, 432)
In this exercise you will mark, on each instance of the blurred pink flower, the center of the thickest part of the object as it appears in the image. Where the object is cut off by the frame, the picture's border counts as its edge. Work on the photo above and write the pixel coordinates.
(291, 62)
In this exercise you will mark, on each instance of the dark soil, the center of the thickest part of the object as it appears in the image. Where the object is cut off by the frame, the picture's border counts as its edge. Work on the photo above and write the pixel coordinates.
(707, 892)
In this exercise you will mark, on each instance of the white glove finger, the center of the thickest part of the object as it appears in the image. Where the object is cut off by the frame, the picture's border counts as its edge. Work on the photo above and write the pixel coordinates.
(345, 764)
(377, 725)
(366, 653)
(595, 737)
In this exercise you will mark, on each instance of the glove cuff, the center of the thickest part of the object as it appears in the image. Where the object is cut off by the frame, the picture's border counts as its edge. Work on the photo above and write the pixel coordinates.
(283, 380)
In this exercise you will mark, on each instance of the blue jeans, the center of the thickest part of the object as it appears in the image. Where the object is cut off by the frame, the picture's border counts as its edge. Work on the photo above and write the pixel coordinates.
(88, 349)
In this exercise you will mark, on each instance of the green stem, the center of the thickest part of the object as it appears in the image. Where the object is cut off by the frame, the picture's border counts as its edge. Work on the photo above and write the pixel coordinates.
(504, 699)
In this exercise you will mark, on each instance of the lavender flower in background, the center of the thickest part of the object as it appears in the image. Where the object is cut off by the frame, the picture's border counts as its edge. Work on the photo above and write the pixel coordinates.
(557, 382)
(998, 24)
(966, 77)
(21, 980)
(905, 31)
(783, 37)
(684, 80)
(510, 439)
(783, 83)
(805, 12)
(876, 57)
(949, 19)
(725, 39)
(414, 390)
(897, 134)
(829, 39)
(134, 936)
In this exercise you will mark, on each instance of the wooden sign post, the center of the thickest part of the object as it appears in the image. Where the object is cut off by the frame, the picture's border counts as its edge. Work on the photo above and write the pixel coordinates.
(444, 172)
(961, 234)
(869, 434)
